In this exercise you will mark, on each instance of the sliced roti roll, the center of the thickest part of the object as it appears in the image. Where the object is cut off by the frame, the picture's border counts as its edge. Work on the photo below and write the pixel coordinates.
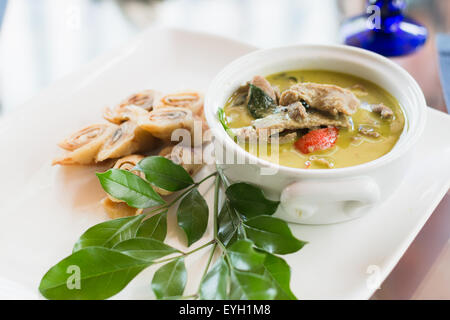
(191, 100)
(118, 209)
(84, 144)
(128, 138)
(162, 122)
(145, 100)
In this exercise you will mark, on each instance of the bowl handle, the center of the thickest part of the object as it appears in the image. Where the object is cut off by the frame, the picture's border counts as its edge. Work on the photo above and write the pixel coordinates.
(302, 200)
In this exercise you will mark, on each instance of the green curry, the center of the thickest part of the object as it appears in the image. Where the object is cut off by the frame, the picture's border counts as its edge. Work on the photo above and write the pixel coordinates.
(368, 137)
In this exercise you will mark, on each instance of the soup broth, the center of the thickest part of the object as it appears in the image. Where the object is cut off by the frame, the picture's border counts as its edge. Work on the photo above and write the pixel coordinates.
(351, 147)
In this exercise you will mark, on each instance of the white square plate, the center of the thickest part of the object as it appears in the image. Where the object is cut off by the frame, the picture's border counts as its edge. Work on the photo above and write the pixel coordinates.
(45, 209)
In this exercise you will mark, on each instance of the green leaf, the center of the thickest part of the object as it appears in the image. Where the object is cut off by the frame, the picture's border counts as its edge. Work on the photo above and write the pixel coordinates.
(214, 285)
(170, 279)
(128, 187)
(280, 273)
(228, 224)
(244, 257)
(192, 215)
(259, 103)
(249, 200)
(144, 248)
(272, 235)
(108, 233)
(154, 227)
(101, 272)
(165, 174)
(221, 117)
(251, 286)
(222, 120)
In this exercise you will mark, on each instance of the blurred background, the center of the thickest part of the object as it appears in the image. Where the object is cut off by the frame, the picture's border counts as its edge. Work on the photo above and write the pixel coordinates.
(41, 41)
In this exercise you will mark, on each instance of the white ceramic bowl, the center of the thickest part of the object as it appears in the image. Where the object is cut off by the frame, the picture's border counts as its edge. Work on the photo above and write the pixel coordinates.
(319, 196)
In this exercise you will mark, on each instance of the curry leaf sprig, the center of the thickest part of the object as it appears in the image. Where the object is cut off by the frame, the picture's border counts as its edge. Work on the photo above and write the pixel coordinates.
(243, 259)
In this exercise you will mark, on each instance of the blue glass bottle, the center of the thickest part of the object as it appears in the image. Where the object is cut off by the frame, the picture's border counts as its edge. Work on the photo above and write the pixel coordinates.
(384, 29)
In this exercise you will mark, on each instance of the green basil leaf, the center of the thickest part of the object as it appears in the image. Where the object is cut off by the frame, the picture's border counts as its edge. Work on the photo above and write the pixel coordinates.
(170, 279)
(108, 233)
(272, 235)
(259, 103)
(244, 257)
(192, 215)
(165, 174)
(280, 273)
(90, 273)
(154, 227)
(128, 187)
(249, 200)
(228, 224)
(251, 286)
(214, 285)
(144, 248)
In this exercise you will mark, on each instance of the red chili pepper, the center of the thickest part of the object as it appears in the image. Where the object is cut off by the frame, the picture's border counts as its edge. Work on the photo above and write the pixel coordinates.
(319, 139)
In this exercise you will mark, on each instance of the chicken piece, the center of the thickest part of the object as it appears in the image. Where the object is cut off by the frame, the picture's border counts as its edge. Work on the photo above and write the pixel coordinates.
(128, 138)
(145, 100)
(282, 120)
(289, 97)
(325, 97)
(162, 122)
(251, 135)
(382, 110)
(290, 137)
(85, 144)
(297, 111)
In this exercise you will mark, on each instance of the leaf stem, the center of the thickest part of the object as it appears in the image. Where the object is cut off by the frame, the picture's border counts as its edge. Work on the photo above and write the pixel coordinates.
(226, 184)
(195, 185)
(199, 248)
(211, 255)
(162, 208)
(216, 204)
(207, 177)
(224, 179)
(225, 253)
(167, 259)
(168, 205)
(185, 254)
